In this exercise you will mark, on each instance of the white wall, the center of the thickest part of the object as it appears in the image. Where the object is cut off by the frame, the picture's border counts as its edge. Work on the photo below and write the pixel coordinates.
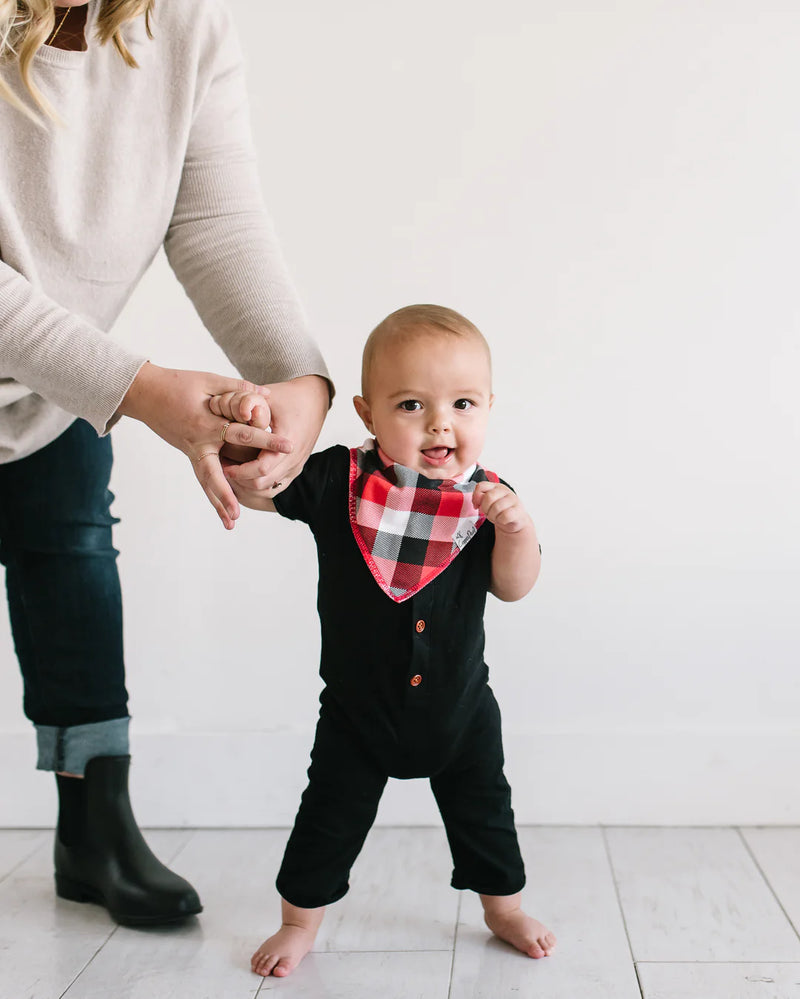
(611, 193)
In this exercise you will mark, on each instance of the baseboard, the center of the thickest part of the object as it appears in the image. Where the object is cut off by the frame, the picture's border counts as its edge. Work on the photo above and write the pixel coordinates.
(255, 779)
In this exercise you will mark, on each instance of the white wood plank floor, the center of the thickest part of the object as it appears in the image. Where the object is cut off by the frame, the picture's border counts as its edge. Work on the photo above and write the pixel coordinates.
(658, 913)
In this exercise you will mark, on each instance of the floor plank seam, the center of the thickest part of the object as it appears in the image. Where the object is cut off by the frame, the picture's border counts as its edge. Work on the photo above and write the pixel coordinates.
(192, 833)
(612, 871)
(790, 964)
(767, 882)
(455, 943)
(65, 993)
(387, 950)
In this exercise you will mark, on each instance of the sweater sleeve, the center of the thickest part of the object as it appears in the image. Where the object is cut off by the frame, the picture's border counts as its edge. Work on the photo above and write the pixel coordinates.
(221, 243)
(59, 356)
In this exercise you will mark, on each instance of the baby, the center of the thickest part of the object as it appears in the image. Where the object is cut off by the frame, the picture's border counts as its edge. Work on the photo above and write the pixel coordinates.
(411, 534)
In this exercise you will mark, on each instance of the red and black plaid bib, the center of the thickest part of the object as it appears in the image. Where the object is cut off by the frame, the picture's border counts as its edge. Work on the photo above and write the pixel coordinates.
(408, 527)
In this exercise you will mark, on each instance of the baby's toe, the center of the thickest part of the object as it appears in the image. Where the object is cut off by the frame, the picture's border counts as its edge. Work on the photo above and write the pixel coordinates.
(262, 964)
(282, 968)
(535, 950)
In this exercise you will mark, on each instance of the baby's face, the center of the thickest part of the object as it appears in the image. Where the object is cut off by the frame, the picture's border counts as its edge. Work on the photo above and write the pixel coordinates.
(428, 403)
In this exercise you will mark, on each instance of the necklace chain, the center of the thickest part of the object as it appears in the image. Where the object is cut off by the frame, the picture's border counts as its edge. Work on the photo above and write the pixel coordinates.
(51, 39)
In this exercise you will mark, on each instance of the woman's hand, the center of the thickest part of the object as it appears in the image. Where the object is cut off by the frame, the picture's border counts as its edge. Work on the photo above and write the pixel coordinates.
(175, 405)
(296, 412)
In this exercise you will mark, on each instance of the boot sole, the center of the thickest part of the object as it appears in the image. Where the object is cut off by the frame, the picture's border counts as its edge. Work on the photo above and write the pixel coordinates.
(76, 891)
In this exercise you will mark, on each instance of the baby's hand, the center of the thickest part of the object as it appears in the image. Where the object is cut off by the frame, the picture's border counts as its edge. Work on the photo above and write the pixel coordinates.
(243, 407)
(251, 408)
(501, 506)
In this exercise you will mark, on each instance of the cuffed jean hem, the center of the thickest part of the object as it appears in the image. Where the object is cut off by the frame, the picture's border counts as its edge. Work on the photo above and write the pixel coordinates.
(68, 750)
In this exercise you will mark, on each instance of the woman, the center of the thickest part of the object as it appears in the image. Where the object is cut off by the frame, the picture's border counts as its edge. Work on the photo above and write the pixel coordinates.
(123, 128)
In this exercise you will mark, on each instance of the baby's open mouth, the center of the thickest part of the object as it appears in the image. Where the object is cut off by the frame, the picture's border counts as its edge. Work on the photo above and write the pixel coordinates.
(437, 453)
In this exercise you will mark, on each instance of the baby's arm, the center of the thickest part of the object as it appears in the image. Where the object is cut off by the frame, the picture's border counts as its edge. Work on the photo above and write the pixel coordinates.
(253, 409)
(515, 557)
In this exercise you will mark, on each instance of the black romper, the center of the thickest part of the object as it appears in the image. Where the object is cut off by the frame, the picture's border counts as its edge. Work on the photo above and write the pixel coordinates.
(406, 695)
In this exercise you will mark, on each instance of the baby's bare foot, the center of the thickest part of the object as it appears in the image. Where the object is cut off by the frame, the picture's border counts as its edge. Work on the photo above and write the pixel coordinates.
(523, 932)
(506, 920)
(283, 951)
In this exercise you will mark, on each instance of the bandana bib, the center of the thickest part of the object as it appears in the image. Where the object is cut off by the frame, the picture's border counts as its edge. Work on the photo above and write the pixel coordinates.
(408, 527)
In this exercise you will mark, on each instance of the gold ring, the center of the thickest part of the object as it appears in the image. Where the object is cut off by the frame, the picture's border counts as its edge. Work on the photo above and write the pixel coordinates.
(276, 484)
(206, 454)
(224, 431)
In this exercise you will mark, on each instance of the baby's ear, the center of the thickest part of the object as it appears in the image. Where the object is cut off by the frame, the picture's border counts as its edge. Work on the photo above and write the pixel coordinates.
(363, 410)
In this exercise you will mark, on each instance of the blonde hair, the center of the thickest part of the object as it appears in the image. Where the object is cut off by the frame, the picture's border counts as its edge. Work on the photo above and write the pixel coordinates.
(412, 322)
(25, 25)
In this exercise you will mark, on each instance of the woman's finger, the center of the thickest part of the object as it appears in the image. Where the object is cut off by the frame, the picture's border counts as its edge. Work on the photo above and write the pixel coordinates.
(208, 469)
(251, 474)
(223, 384)
(241, 433)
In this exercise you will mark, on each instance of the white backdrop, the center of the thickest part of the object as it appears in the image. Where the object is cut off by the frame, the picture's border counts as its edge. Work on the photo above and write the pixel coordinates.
(610, 192)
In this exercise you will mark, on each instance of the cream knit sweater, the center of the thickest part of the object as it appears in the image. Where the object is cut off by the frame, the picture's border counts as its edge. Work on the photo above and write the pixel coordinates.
(150, 156)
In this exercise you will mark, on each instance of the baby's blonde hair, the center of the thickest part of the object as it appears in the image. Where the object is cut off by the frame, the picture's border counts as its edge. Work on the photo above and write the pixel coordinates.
(410, 323)
(25, 25)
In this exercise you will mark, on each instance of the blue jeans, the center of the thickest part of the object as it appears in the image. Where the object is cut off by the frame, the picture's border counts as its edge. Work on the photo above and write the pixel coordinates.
(64, 597)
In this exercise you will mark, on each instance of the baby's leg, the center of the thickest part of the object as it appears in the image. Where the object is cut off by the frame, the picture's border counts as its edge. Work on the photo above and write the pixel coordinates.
(506, 920)
(336, 812)
(280, 954)
(474, 799)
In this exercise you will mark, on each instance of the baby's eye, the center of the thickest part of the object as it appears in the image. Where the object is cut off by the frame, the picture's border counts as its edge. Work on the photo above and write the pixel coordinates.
(411, 405)
(463, 404)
